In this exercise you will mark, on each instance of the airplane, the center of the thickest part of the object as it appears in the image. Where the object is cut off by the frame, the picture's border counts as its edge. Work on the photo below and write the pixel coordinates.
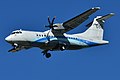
(56, 38)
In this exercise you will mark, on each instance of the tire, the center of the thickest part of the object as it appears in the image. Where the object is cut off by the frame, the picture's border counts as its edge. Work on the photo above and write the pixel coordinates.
(48, 55)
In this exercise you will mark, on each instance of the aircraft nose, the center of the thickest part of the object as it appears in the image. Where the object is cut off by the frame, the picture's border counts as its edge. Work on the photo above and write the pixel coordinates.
(8, 39)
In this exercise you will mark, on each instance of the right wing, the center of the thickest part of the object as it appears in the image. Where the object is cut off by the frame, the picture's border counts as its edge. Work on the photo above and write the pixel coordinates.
(76, 21)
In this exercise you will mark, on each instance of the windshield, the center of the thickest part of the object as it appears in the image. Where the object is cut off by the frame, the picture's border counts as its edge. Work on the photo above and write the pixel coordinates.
(17, 32)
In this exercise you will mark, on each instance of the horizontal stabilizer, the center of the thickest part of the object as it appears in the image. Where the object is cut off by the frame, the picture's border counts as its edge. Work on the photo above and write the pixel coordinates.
(106, 17)
(101, 19)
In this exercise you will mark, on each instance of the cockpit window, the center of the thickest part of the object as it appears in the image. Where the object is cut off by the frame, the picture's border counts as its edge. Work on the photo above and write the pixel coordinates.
(17, 32)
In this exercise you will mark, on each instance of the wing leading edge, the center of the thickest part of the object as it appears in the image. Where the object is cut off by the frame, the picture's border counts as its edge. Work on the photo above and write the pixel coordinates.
(76, 21)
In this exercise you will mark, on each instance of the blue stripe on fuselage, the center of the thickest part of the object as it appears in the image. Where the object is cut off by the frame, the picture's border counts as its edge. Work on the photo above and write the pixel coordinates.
(89, 43)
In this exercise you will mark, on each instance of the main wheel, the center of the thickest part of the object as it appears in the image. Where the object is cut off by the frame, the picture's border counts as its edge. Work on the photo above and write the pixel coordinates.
(48, 55)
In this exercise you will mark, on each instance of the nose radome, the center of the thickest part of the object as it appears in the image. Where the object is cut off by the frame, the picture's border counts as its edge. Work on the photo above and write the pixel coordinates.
(8, 38)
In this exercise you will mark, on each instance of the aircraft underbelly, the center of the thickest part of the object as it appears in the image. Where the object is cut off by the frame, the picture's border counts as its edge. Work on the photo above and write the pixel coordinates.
(70, 44)
(56, 45)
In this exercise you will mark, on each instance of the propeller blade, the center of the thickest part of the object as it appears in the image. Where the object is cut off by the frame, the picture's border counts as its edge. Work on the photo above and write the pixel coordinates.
(49, 20)
(51, 23)
(53, 20)
(47, 26)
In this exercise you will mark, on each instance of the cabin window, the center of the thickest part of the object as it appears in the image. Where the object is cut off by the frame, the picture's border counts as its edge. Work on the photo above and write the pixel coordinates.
(45, 35)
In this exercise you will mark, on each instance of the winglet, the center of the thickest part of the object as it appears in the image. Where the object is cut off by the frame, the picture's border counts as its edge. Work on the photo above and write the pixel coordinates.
(98, 8)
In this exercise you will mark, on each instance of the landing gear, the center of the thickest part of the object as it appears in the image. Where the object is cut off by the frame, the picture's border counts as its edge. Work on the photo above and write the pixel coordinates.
(15, 45)
(47, 55)
(15, 48)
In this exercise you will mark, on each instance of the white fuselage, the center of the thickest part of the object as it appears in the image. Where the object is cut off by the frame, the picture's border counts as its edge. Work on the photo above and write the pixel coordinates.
(48, 40)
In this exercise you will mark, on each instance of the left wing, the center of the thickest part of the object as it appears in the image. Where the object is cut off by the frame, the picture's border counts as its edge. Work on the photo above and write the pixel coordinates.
(76, 21)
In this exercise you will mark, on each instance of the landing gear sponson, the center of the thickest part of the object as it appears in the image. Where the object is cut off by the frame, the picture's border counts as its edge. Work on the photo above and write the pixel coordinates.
(48, 55)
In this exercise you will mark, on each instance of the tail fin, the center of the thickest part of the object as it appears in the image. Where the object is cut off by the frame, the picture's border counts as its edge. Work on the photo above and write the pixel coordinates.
(95, 30)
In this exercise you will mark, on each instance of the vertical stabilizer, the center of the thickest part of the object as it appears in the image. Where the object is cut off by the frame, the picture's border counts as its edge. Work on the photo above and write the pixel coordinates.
(95, 31)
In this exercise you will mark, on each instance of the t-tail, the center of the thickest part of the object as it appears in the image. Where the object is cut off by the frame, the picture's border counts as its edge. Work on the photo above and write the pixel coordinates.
(95, 30)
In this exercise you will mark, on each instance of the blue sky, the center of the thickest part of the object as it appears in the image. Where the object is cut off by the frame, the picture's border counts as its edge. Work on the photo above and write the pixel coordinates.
(97, 63)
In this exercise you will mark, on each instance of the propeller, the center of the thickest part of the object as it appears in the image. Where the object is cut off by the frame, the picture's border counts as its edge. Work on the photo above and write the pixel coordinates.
(51, 26)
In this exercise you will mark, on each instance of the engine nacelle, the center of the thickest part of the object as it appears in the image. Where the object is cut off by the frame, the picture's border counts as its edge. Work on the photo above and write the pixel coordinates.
(59, 26)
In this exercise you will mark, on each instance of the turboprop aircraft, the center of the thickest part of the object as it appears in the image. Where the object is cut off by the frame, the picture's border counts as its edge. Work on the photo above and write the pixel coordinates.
(56, 38)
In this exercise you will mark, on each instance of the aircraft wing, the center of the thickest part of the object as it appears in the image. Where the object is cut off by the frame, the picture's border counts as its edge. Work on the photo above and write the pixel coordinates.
(76, 21)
